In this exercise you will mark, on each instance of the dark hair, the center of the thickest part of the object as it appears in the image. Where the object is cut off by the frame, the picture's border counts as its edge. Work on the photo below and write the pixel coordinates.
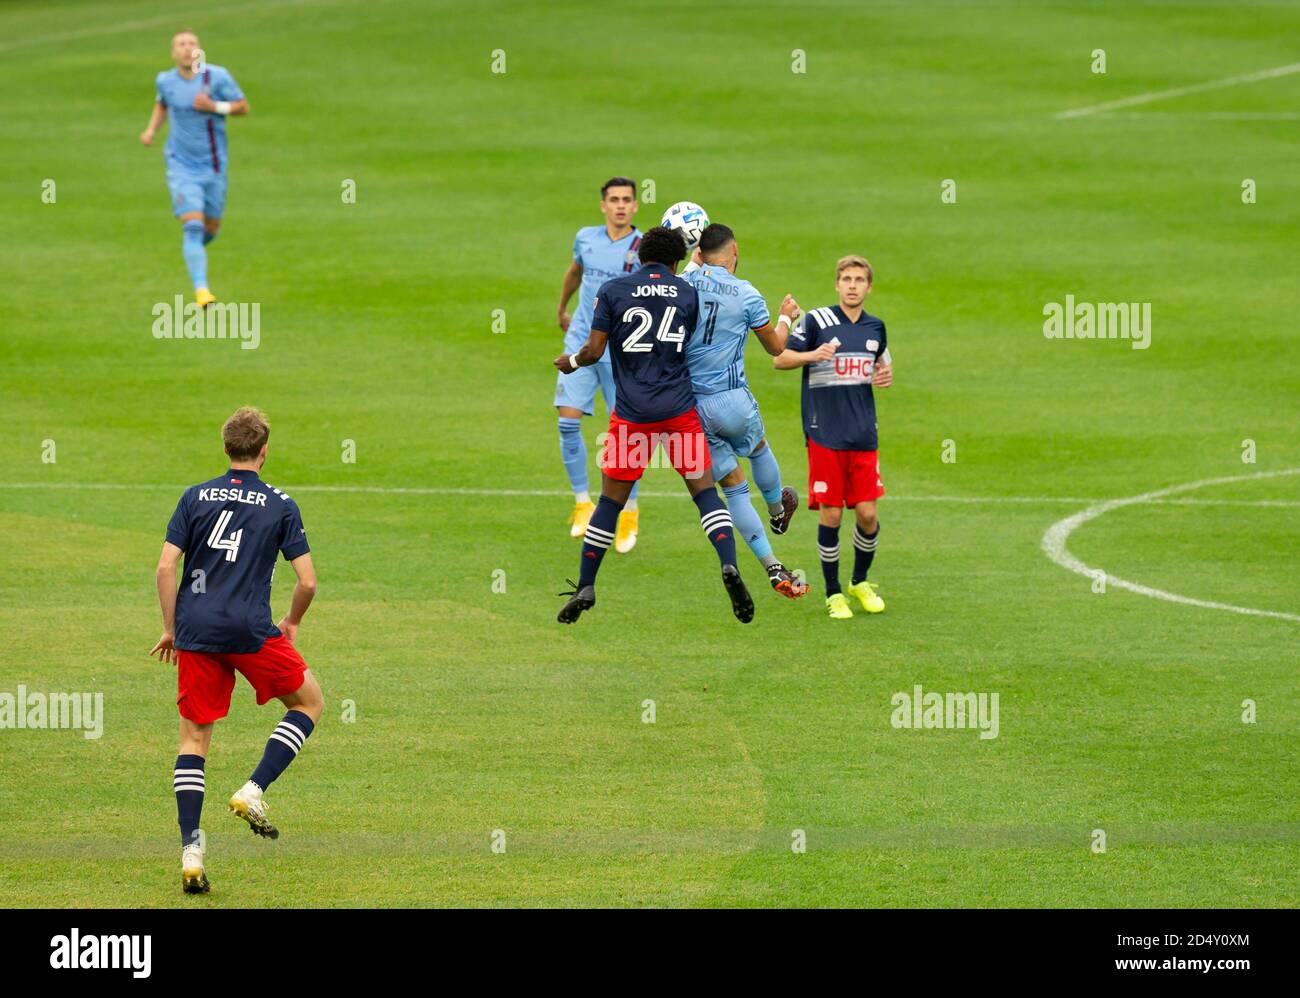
(662, 245)
(715, 236)
(617, 182)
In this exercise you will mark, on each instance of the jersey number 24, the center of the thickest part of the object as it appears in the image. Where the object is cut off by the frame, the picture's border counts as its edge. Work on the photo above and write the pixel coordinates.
(643, 319)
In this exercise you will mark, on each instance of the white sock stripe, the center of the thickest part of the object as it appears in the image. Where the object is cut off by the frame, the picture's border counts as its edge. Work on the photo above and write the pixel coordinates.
(828, 554)
(188, 772)
(293, 734)
(714, 522)
(598, 532)
(602, 544)
(275, 736)
(714, 514)
(864, 545)
(197, 788)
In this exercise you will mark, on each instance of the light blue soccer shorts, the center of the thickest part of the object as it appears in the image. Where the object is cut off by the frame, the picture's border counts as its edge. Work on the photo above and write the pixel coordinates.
(577, 389)
(732, 425)
(195, 188)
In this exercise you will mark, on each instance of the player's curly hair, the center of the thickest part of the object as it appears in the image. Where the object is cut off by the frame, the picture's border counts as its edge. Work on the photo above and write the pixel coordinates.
(662, 245)
(245, 432)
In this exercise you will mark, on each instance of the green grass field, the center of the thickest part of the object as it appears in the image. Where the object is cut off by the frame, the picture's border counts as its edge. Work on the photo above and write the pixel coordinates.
(475, 711)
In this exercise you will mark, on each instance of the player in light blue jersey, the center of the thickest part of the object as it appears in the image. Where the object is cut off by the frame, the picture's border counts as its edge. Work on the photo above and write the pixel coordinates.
(600, 253)
(731, 308)
(198, 97)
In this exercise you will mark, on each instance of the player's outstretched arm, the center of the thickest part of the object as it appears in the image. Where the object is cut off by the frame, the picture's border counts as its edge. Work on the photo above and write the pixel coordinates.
(591, 352)
(158, 116)
(165, 579)
(789, 360)
(774, 338)
(304, 591)
(572, 281)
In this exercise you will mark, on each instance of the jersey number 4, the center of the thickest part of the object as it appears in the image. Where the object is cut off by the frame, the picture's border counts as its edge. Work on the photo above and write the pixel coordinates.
(643, 319)
(230, 544)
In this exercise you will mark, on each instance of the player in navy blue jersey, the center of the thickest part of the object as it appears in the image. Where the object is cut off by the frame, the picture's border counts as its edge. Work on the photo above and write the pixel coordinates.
(647, 318)
(600, 253)
(230, 530)
(843, 352)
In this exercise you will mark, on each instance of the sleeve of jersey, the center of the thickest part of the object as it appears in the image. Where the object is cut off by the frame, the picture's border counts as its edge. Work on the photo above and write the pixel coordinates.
(601, 317)
(157, 89)
(293, 536)
(884, 353)
(577, 247)
(756, 311)
(178, 527)
(801, 337)
(226, 88)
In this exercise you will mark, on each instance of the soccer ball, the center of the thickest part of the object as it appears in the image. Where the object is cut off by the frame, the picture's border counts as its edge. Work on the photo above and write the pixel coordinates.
(689, 219)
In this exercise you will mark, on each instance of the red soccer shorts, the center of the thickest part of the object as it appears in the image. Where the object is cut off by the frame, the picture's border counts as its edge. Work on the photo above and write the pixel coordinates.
(628, 447)
(205, 680)
(842, 477)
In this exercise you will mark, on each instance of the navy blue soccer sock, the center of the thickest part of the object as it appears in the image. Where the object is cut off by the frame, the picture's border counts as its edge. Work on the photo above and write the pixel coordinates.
(864, 550)
(598, 538)
(188, 782)
(282, 747)
(828, 550)
(718, 528)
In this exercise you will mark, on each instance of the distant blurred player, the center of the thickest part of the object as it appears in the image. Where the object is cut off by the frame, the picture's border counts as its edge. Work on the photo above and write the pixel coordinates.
(648, 319)
(199, 98)
(230, 530)
(730, 308)
(843, 352)
(600, 253)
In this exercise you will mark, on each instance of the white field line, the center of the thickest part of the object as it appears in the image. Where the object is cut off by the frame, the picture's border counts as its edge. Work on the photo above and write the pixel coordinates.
(675, 494)
(1195, 88)
(1058, 534)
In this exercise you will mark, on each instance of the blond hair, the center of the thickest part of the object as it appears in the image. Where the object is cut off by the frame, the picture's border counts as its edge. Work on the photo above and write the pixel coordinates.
(845, 262)
(245, 433)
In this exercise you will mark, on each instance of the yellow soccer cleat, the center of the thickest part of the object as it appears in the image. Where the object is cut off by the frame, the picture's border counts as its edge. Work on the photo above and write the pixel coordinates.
(625, 536)
(866, 594)
(580, 517)
(838, 607)
(203, 297)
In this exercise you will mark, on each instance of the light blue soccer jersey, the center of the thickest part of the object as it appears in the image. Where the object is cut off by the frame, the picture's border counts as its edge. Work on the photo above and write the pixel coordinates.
(602, 260)
(196, 138)
(729, 309)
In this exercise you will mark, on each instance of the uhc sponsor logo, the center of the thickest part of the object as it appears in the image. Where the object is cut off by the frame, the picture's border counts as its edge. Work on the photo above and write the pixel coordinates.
(857, 365)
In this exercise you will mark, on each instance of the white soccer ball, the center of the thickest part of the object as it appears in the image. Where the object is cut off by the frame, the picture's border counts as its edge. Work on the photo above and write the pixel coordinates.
(689, 219)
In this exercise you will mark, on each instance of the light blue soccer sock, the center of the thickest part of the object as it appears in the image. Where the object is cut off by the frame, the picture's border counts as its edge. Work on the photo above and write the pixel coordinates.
(196, 257)
(747, 522)
(631, 499)
(573, 451)
(767, 476)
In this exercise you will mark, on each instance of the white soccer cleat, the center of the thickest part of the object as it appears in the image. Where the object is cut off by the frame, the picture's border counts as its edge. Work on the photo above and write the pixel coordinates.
(248, 804)
(193, 878)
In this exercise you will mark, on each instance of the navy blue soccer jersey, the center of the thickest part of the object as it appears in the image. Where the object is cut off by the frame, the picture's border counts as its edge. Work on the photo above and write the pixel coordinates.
(649, 316)
(231, 529)
(839, 409)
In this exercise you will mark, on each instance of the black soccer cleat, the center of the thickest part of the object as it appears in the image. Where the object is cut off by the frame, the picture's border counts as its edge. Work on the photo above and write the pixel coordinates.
(785, 581)
(741, 604)
(580, 598)
(789, 503)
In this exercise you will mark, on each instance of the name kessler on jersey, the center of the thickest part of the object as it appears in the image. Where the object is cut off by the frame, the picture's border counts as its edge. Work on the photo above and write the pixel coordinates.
(232, 495)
